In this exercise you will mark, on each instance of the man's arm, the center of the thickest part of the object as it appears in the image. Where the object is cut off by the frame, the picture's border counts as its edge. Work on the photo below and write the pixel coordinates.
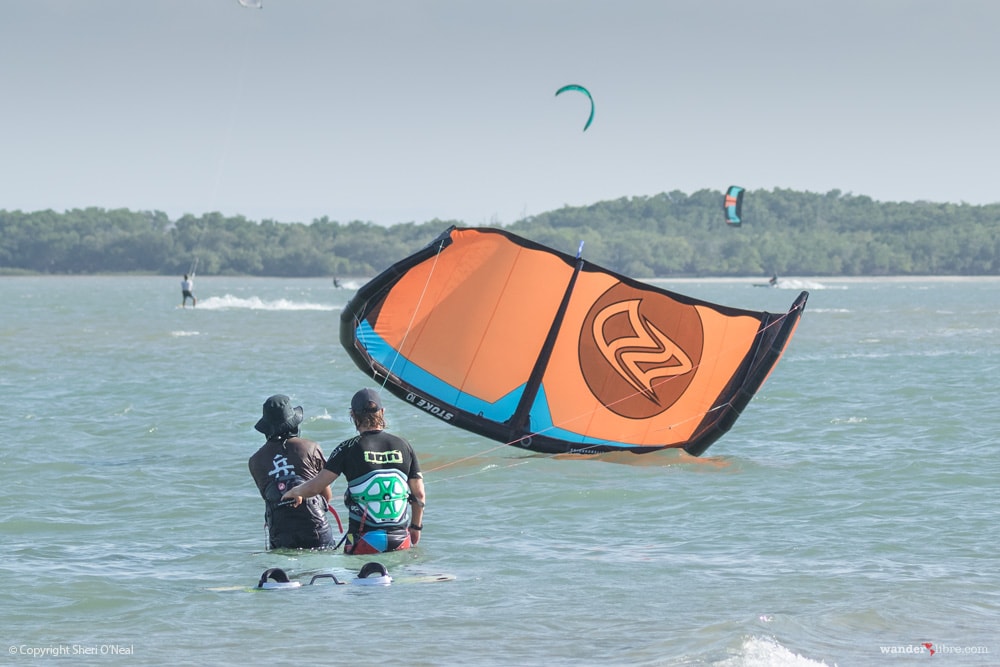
(418, 498)
(320, 462)
(318, 484)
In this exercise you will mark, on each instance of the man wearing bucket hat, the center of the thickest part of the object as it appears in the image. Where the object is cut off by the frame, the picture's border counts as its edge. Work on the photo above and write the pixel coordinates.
(385, 490)
(283, 462)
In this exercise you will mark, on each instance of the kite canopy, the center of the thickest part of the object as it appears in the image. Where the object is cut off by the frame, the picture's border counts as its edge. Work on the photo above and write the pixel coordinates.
(535, 348)
(586, 92)
(733, 205)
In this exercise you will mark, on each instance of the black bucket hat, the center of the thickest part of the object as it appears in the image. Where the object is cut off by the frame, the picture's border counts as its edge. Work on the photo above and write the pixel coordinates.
(279, 416)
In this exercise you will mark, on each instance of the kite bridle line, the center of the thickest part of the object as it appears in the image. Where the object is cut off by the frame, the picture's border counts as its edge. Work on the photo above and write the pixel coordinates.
(241, 81)
(582, 450)
(416, 309)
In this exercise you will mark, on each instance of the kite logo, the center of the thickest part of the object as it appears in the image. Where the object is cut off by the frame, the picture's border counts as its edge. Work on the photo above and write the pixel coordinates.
(638, 353)
(644, 356)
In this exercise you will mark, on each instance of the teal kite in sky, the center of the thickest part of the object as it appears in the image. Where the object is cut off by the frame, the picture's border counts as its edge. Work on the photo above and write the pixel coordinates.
(733, 205)
(586, 92)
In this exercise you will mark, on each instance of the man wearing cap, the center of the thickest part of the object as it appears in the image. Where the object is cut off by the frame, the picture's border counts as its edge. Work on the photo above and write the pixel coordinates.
(385, 490)
(285, 461)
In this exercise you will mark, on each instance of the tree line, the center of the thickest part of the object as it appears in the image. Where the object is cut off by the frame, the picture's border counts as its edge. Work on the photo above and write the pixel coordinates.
(666, 235)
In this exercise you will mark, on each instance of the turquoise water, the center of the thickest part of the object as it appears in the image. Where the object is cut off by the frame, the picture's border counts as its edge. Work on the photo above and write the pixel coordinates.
(848, 517)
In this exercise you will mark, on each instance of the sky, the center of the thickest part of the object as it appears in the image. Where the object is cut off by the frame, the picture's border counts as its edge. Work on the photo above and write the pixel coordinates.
(393, 111)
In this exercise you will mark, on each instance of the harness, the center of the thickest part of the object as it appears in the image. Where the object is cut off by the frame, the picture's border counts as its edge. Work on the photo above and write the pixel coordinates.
(276, 488)
(382, 496)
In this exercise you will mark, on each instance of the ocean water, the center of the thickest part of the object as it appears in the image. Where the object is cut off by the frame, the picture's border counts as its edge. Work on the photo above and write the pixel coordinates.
(850, 517)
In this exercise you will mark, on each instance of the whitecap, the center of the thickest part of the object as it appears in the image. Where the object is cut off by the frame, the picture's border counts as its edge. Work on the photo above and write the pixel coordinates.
(765, 652)
(229, 302)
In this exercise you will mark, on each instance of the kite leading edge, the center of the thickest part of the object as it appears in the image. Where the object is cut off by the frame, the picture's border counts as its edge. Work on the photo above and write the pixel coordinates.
(586, 92)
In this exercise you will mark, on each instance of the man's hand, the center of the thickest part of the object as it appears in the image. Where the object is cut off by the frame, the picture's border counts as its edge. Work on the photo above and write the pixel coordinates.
(296, 500)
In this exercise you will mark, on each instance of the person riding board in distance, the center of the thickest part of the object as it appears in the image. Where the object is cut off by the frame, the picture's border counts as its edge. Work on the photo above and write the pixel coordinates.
(187, 291)
(385, 494)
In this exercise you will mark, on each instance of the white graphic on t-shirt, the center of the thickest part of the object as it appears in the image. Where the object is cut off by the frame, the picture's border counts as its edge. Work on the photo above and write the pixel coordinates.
(281, 466)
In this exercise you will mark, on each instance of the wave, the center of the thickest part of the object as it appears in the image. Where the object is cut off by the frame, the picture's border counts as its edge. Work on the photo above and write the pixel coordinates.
(797, 284)
(765, 652)
(229, 302)
(783, 283)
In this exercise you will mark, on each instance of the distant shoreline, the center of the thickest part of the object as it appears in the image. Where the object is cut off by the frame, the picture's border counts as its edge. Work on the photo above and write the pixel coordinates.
(753, 280)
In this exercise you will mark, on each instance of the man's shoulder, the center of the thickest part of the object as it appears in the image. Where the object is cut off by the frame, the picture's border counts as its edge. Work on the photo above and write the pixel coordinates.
(397, 442)
(260, 461)
(262, 452)
(302, 445)
(406, 443)
(344, 447)
(392, 436)
(346, 444)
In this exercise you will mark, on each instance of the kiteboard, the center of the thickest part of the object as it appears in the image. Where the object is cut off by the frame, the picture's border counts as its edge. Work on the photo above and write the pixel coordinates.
(370, 574)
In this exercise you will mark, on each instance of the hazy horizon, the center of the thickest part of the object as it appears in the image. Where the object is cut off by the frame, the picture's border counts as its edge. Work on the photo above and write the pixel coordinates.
(400, 111)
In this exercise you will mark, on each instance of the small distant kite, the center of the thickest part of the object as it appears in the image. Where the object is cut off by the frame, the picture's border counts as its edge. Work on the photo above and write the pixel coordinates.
(733, 206)
(586, 92)
(252, 4)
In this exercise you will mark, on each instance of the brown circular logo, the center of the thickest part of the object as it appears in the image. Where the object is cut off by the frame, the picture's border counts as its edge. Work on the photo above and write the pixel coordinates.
(639, 350)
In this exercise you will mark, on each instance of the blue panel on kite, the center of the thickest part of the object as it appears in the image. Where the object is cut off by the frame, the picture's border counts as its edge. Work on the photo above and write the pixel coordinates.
(733, 205)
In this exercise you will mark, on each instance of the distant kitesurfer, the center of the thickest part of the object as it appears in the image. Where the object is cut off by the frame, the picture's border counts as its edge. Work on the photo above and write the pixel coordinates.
(187, 285)
(774, 280)
(283, 462)
(336, 283)
(385, 490)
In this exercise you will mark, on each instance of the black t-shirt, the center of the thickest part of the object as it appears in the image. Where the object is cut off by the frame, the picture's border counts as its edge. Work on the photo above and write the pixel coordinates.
(378, 467)
(278, 466)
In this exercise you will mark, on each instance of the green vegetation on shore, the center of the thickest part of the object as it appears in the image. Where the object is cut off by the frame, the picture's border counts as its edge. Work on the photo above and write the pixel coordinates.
(676, 234)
